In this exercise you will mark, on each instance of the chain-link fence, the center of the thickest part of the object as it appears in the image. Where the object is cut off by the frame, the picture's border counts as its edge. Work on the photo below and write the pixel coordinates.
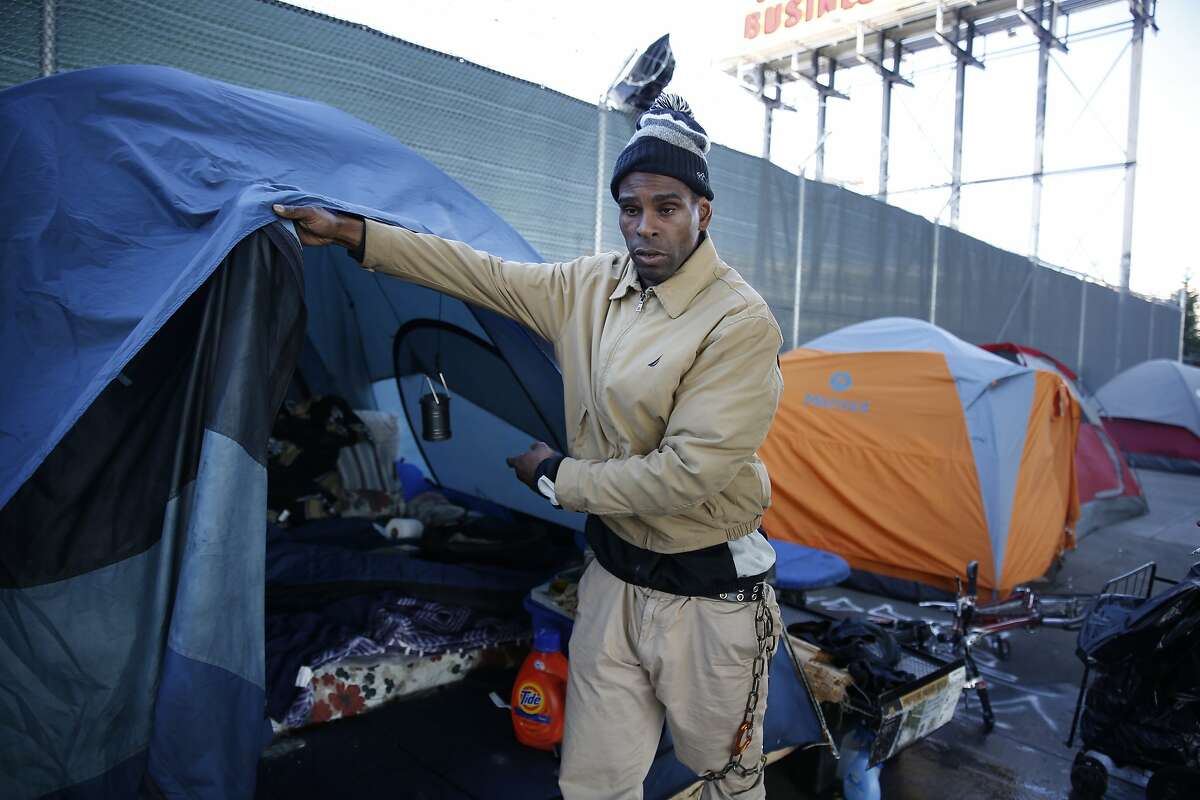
(531, 154)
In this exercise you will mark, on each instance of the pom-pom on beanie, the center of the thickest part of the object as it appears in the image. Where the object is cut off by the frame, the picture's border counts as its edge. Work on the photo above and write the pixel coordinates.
(670, 142)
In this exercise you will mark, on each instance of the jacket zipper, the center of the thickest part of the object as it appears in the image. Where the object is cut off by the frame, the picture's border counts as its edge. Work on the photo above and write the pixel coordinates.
(616, 347)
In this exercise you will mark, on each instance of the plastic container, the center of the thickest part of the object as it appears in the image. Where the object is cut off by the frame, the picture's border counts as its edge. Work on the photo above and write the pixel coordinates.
(859, 782)
(539, 606)
(539, 694)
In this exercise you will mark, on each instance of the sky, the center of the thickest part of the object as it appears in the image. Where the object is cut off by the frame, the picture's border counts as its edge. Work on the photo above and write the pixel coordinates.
(578, 47)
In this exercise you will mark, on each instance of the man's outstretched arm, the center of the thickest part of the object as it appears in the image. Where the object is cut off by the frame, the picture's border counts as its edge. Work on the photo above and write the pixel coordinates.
(538, 296)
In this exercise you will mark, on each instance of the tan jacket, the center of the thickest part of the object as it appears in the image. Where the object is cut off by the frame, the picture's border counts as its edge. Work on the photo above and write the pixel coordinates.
(669, 392)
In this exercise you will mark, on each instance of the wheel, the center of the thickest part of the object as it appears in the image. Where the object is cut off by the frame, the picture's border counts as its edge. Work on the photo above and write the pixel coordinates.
(1173, 783)
(1089, 778)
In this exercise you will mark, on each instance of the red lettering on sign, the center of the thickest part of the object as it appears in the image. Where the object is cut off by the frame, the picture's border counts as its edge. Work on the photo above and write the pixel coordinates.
(847, 4)
(794, 14)
(751, 29)
(808, 12)
(826, 6)
(771, 19)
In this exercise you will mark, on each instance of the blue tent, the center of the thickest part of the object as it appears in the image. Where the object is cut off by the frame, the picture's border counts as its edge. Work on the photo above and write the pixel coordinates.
(152, 313)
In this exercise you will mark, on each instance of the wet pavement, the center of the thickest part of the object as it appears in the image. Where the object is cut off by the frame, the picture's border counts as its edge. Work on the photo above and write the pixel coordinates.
(1034, 691)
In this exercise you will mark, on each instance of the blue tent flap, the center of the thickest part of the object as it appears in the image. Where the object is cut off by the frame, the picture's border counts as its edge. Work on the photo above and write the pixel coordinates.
(152, 311)
(126, 186)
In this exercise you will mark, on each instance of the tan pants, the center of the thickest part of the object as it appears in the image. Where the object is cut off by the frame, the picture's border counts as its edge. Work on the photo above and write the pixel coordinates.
(638, 656)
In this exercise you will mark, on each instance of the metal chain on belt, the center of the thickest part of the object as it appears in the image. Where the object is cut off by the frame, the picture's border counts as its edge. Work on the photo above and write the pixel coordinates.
(764, 629)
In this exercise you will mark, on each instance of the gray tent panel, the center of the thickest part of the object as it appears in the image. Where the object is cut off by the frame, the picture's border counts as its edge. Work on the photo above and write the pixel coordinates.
(1162, 391)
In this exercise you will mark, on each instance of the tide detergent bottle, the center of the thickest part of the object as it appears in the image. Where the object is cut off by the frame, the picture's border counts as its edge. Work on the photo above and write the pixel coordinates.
(540, 692)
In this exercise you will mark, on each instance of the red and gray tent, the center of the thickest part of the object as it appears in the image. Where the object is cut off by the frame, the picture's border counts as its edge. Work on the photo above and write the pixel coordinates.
(1153, 411)
(1108, 489)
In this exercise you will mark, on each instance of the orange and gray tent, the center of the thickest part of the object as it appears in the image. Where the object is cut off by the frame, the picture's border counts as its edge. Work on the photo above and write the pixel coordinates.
(910, 452)
(1108, 489)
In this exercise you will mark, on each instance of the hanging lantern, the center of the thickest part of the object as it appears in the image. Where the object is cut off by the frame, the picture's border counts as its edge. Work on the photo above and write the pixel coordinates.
(435, 412)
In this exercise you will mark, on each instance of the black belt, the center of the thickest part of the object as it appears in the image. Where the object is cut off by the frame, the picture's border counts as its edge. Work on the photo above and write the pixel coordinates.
(748, 594)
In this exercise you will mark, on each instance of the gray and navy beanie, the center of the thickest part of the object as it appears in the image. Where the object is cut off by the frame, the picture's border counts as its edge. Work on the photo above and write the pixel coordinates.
(668, 142)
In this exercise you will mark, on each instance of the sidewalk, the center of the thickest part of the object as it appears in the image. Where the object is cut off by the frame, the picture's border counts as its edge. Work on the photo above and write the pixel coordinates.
(1034, 691)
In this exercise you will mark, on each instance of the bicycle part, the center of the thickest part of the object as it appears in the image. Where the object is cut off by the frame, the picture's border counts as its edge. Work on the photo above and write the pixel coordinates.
(941, 605)
(975, 678)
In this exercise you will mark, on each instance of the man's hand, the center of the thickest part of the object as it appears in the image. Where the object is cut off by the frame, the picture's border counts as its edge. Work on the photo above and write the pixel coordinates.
(526, 463)
(319, 226)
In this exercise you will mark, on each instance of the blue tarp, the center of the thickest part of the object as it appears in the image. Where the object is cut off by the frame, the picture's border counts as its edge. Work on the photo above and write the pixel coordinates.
(132, 485)
(124, 187)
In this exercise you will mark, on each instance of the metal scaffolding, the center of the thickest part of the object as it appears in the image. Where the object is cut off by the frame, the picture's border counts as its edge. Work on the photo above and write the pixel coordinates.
(956, 30)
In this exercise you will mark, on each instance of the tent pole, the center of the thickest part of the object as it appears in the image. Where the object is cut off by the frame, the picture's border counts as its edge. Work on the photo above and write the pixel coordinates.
(49, 37)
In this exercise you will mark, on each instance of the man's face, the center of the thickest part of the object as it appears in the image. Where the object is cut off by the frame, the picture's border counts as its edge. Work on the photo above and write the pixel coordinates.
(661, 220)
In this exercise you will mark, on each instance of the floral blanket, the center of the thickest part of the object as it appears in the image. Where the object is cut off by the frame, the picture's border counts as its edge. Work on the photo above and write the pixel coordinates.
(413, 645)
(356, 684)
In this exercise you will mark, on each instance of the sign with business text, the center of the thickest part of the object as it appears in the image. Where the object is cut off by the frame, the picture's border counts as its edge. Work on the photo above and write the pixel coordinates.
(757, 31)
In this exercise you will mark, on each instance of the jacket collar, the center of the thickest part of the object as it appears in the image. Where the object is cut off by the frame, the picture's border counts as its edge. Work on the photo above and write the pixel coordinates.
(677, 292)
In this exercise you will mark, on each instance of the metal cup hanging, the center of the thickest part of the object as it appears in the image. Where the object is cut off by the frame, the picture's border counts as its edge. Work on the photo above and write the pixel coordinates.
(435, 412)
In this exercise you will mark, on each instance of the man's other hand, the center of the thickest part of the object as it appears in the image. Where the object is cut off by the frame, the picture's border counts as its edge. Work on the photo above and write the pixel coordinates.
(526, 463)
(319, 226)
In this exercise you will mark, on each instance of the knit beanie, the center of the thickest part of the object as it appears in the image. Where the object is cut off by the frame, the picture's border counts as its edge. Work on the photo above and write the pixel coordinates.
(670, 142)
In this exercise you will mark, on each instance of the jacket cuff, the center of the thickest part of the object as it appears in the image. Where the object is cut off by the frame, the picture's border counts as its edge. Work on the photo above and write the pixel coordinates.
(566, 484)
(548, 467)
(359, 253)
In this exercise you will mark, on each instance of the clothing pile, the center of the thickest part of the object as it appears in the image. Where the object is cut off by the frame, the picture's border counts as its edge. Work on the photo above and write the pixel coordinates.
(303, 454)
(865, 650)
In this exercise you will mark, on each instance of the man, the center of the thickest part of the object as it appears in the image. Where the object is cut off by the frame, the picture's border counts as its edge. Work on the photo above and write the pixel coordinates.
(671, 380)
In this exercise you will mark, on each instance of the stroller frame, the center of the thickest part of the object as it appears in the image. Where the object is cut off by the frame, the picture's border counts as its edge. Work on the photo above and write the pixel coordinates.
(1138, 582)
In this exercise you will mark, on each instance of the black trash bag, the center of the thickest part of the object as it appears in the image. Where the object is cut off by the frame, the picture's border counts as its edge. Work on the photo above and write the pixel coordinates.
(1149, 717)
(1143, 706)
